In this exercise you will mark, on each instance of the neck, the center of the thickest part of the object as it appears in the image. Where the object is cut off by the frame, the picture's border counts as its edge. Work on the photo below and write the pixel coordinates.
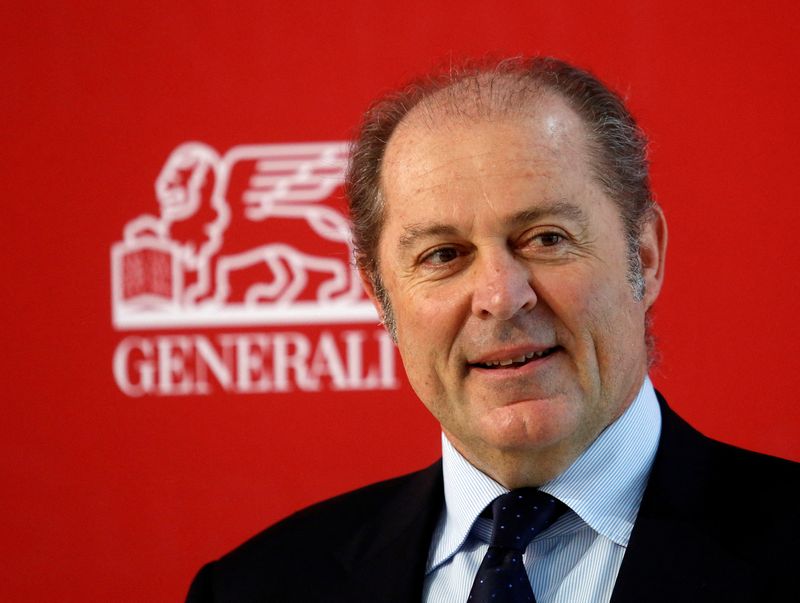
(518, 468)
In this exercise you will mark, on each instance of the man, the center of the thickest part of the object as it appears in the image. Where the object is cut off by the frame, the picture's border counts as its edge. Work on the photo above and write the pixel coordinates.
(505, 230)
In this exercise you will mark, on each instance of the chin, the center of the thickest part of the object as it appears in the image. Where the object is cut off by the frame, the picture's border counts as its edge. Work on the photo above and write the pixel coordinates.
(529, 426)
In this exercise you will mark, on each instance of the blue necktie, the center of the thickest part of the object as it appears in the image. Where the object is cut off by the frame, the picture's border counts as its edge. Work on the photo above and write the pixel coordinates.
(516, 518)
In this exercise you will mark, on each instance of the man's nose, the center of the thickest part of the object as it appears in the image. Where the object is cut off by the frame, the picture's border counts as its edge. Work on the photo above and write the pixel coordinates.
(502, 286)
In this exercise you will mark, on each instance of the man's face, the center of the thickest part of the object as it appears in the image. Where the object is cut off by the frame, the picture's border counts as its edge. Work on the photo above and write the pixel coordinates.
(506, 267)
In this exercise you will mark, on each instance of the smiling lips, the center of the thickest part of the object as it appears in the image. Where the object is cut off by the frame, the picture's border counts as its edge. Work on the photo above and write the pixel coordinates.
(515, 362)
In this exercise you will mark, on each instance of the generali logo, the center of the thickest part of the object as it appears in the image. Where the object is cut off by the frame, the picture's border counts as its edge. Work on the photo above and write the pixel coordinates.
(253, 238)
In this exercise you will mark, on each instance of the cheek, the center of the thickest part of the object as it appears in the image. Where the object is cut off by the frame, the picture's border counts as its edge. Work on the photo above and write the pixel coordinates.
(596, 314)
(430, 317)
(572, 296)
(426, 331)
(617, 336)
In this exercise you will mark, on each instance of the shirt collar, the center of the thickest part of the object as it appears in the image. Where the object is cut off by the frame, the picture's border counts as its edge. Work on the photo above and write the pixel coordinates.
(604, 485)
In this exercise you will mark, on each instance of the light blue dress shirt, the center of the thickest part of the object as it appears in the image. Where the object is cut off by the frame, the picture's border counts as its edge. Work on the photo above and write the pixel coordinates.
(578, 558)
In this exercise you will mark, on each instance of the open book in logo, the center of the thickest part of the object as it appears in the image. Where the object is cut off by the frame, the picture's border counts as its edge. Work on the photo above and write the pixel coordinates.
(250, 238)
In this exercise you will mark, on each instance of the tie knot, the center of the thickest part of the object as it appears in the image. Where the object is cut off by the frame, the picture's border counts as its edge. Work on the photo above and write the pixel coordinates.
(517, 517)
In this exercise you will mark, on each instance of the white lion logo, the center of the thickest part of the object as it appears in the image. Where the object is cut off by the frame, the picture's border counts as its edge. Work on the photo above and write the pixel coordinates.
(248, 238)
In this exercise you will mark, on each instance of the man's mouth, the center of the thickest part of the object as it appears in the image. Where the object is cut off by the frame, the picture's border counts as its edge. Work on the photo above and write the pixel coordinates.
(521, 360)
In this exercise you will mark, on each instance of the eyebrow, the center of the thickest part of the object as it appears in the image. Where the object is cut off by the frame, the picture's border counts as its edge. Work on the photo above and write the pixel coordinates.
(414, 232)
(560, 208)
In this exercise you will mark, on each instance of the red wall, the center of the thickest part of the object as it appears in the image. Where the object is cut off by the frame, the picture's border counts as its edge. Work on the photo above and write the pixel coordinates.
(108, 497)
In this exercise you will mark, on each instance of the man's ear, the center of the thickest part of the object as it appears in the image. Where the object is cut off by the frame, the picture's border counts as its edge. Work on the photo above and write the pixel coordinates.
(369, 288)
(652, 254)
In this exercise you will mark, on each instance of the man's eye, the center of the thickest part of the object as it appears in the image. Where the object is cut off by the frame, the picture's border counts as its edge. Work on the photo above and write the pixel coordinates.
(442, 255)
(549, 239)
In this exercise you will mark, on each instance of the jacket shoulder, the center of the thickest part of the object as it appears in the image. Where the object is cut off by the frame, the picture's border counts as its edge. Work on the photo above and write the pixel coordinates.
(331, 520)
(694, 461)
(755, 467)
(314, 544)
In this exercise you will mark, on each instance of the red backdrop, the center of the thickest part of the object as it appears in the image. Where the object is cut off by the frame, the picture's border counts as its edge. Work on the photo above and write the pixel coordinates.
(108, 497)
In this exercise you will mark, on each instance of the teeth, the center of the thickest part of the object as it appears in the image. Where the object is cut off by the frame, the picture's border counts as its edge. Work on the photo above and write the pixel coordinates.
(518, 360)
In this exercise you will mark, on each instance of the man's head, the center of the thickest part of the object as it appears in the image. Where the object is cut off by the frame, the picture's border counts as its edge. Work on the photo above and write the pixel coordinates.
(504, 223)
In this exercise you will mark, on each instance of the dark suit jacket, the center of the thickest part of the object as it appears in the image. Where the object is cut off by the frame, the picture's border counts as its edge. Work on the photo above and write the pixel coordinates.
(716, 524)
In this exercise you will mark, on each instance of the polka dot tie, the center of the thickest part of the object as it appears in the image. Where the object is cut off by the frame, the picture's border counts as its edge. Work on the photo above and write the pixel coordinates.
(516, 518)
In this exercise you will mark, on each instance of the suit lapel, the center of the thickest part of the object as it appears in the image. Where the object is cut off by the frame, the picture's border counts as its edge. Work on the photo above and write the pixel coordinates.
(671, 555)
(386, 560)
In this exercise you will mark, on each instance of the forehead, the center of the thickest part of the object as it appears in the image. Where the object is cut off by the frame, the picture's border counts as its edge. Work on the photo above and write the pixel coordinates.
(439, 151)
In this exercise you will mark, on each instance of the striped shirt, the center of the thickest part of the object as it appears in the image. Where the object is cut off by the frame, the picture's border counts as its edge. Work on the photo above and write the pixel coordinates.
(577, 559)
